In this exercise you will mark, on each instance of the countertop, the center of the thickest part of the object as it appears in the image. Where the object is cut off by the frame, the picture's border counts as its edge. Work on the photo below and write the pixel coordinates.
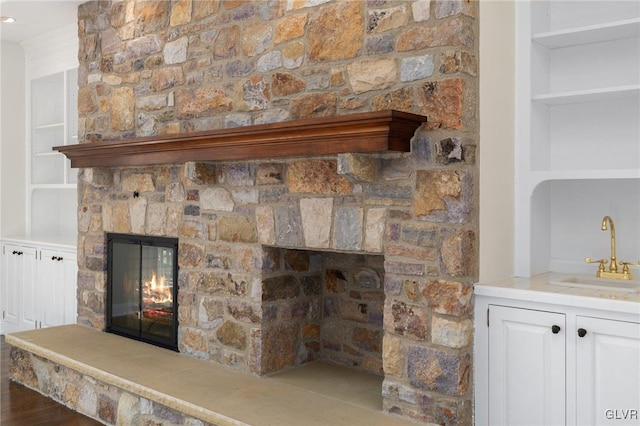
(67, 242)
(539, 289)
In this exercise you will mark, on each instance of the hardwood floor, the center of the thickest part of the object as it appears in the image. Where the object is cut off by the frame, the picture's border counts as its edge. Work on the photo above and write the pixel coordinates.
(20, 406)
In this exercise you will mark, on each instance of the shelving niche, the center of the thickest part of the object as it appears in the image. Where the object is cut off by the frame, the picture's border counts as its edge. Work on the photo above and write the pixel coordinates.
(54, 122)
(578, 145)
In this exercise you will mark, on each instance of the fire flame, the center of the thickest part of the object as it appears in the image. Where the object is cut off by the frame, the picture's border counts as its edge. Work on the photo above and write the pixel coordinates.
(156, 291)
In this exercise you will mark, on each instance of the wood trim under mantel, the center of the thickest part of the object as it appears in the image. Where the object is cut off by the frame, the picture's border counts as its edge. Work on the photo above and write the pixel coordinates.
(354, 133)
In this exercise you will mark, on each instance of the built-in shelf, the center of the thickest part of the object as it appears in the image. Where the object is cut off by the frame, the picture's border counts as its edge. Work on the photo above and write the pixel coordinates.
(578, 136)
(51, 185)
(49, 126)
(626, 28)
(548, 175)
(54, 186)
(591, 95)
(355, 133)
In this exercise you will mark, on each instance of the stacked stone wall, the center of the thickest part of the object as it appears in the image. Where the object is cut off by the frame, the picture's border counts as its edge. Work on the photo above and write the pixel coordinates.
(162, 67)
(292, 302)
(353, 306)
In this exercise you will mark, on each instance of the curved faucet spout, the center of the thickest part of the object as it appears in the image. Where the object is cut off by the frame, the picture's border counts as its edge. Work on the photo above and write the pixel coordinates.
(613, 265)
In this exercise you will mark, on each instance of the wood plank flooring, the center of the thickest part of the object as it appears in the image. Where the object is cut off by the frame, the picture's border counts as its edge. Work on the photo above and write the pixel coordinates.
(20, 406)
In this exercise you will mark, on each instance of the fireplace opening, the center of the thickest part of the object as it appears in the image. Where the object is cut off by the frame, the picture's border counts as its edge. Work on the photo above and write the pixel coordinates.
(142, 288)
(324, 306)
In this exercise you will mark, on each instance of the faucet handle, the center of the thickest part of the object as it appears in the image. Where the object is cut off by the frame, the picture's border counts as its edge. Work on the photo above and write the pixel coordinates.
(602, 262)
(625, 266)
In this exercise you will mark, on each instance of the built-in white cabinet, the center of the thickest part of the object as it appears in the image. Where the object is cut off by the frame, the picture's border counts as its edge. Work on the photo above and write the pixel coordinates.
(578, 137)
(553, 363)
(38, 285)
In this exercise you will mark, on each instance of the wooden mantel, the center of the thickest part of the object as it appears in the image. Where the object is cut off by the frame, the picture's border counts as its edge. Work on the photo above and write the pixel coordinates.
(354, 133)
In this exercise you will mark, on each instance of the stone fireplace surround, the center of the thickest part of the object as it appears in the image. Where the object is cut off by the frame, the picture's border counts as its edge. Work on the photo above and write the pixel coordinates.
(267, 246)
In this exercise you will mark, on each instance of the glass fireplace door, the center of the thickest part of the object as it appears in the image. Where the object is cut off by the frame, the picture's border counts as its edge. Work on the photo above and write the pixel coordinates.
(157, 299)
(125, 288)
(142, 288)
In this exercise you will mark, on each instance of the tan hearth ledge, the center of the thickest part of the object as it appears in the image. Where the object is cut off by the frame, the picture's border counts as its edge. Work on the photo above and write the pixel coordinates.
(202, 389)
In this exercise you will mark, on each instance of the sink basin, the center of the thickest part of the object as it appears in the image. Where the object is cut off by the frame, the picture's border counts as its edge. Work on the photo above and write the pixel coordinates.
(582, 281)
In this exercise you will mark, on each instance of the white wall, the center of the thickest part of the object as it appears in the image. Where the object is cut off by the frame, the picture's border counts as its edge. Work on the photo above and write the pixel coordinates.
(497, 136)
(12, 139)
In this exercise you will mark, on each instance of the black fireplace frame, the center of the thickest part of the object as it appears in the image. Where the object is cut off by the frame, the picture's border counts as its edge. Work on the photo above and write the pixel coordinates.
(143, 240)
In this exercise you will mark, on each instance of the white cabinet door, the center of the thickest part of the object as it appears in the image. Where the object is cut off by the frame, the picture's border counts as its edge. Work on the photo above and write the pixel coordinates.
(69, 286)
(30, 293)
(10, 288)
(526, 367)
(608, 372)
(49, 281)
(56, 277)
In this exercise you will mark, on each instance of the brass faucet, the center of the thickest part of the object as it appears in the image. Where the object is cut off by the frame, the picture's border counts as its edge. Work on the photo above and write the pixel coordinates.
(613, 264)
(613, 273)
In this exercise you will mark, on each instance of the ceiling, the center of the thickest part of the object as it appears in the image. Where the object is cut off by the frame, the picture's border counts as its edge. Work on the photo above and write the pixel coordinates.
(36, 17)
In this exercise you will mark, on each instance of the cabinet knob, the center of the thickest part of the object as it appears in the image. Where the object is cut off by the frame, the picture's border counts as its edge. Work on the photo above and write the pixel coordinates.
(53, 258)
(16, 252)
(555, 329)
(582, 332)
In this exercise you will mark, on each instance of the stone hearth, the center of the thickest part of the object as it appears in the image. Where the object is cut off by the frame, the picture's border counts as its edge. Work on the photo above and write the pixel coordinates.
(253, 232)
(120, 381)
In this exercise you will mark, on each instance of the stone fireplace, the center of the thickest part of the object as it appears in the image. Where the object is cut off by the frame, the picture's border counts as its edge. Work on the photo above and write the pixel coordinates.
(361, 259)
(284, 262)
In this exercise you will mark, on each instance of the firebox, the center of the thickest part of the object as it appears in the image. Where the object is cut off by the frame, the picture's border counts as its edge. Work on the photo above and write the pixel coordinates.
(142, 288)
